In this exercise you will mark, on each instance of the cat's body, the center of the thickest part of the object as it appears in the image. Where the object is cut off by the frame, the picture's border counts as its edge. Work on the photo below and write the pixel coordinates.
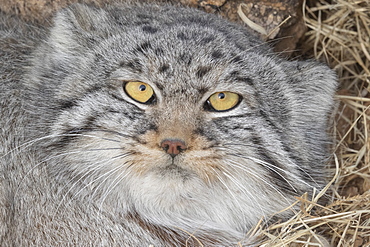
(85, 161)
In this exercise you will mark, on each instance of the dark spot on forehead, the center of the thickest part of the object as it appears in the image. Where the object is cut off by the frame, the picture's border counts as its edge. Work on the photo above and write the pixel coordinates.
(149, 29)
(202, 70)
(143, 16)
(202, 90)
(133, 64)
(216, 54)
(182, 36)
(163, 68)
(186, 58)
(248, 80)
(94, 88)
(235, 73)
(142, 22)
(181, 91)
(158, 51)
(207, 39)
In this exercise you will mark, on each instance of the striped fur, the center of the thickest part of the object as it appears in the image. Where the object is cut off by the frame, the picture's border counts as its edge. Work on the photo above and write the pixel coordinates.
(82, 162)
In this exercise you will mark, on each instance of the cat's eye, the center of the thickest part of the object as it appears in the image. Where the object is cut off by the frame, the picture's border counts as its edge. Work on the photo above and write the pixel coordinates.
(223, 101)
(139, 91)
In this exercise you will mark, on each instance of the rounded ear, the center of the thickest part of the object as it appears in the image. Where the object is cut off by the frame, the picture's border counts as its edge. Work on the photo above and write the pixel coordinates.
(85, 17)
(71, 41)
(315, 83)
(78, 23)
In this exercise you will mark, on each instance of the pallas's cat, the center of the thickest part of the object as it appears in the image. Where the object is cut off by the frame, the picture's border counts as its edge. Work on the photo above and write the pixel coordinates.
(143, 125)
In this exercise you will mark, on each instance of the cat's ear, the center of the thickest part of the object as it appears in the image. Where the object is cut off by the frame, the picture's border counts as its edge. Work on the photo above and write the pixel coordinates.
(77, 23)
(315, 85)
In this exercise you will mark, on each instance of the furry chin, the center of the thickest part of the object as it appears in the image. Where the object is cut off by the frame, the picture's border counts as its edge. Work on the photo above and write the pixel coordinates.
(174, 171)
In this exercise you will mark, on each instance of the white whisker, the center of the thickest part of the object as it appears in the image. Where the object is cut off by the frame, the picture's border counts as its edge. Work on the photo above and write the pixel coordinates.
(279, 171)
(97, 170)
(275, 153)
(30, 143)
(38, 164)
(275, 169)
(235, 164)
(113, 185)
(245, 191)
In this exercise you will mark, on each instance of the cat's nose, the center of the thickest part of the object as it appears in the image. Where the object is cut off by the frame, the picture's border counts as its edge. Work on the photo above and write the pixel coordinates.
(173, 147)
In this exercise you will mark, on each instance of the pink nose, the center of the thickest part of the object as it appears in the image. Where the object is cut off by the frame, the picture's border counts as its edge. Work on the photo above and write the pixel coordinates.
(173, 147)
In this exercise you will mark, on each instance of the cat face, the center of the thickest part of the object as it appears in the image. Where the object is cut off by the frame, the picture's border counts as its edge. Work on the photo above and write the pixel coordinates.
(186, 119)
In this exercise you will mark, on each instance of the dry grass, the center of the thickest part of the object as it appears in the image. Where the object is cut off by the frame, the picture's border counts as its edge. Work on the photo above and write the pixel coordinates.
(339, 33)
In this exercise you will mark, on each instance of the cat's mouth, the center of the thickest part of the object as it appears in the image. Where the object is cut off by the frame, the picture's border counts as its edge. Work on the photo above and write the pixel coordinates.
(174, 170)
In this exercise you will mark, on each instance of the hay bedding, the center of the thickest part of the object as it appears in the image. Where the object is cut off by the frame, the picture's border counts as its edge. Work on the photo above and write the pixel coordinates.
(339, 34)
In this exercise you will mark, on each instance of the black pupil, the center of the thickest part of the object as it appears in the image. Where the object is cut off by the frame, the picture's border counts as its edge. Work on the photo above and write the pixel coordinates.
(142, 87)
(221, 96)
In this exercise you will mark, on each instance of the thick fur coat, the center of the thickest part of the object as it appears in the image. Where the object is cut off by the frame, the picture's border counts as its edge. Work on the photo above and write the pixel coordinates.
(86, 162)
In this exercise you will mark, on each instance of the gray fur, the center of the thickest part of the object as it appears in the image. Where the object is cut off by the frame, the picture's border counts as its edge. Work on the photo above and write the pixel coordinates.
(81, 162)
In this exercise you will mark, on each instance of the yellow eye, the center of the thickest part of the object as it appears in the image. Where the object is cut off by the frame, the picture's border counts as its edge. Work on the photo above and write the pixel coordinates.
(223, 101)
(139, 91)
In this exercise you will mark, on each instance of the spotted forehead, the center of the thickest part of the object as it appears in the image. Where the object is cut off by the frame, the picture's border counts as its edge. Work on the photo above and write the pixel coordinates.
(184, 54)
(173, 63)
